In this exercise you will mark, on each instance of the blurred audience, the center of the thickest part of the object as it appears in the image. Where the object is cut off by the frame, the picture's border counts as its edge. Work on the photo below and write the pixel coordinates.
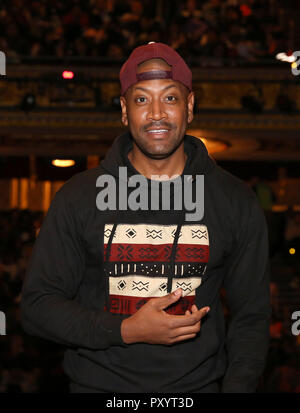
(28, 364)
(248, 30)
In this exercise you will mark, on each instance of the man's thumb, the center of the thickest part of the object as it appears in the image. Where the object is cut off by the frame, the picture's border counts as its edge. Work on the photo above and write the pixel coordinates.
(169, 299)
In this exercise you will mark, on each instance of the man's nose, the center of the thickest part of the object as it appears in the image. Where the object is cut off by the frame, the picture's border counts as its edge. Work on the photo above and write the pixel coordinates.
(156, 110)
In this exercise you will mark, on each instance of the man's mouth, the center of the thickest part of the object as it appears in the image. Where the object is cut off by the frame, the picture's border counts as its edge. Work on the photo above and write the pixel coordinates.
(158, 130)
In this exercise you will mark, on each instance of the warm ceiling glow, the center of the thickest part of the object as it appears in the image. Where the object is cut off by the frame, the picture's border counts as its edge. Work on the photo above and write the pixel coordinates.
(212, 145)
(292, 251)
(63, 163)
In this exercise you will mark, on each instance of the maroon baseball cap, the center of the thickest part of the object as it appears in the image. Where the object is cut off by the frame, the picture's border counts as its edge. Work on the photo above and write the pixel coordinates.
(179, 69)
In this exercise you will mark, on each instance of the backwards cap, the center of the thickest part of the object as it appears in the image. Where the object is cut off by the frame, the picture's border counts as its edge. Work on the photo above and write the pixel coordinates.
(179, 69)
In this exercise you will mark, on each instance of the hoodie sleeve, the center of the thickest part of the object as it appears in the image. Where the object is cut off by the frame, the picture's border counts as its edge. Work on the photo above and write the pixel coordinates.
(247, 293)
(53, 277)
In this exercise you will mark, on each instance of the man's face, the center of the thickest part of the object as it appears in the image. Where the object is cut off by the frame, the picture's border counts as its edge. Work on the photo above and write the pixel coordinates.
(157, 112)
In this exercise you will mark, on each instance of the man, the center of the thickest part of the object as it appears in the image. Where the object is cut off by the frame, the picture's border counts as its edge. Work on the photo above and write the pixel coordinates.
(130, 282)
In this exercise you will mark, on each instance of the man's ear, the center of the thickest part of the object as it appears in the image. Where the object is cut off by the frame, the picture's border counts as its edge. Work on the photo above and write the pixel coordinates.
(124, 110)
(191, 102)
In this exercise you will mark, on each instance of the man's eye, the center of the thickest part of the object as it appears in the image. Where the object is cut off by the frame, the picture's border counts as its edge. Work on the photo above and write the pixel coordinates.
(141, 100)
(171, 98)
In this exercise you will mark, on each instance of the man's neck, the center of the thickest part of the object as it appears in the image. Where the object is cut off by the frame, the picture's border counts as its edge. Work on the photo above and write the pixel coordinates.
(173, 165)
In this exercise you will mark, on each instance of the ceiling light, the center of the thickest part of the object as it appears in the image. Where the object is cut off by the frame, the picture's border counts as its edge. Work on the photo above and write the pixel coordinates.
(212, 145)
(63, 163)
(284, 57)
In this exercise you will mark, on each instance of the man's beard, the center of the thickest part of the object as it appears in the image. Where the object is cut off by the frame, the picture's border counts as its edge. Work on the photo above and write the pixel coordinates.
(157, 156)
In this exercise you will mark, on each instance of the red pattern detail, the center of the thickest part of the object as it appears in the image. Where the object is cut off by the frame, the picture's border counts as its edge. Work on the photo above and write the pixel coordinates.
(129, 305)
(160, 253)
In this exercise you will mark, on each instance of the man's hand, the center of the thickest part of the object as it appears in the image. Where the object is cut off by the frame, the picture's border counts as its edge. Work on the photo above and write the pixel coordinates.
(152, 325)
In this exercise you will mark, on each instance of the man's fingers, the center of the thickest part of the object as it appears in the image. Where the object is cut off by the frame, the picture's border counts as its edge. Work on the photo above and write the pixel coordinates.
(184, 331)
(194, 308)
(188, 319)
(163, 302)
(191, 330)
(203, 311)
(183, 338)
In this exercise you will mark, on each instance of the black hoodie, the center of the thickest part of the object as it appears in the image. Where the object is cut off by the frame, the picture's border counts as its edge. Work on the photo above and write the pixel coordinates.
(90, 269)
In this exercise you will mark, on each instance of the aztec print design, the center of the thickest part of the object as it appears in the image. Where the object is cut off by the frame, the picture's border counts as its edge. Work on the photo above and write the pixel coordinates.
(139, 264)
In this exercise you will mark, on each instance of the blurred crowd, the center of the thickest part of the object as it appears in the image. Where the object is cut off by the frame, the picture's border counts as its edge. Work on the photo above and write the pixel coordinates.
(282, 371)
(33, 365)
(249, 30)
(27, 364)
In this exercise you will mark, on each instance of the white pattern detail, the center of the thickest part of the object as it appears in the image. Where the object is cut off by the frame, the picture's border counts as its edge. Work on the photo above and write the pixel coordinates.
(154, 285)
(139, 285)
(155, 230)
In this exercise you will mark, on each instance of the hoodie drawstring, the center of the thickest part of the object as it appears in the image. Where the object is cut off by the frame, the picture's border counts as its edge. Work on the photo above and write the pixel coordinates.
(108, 248)
(173, 254)
(174, 246)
